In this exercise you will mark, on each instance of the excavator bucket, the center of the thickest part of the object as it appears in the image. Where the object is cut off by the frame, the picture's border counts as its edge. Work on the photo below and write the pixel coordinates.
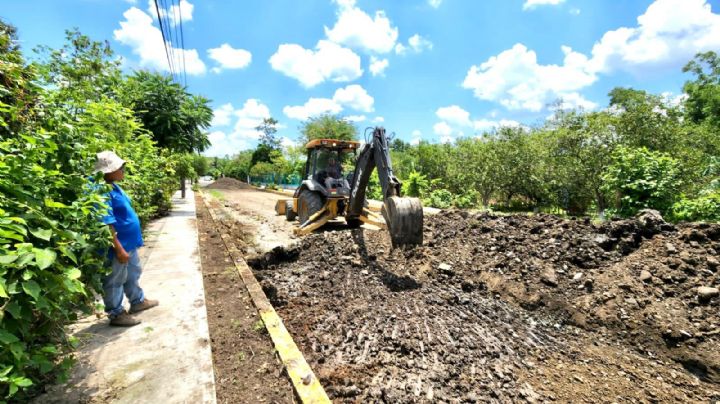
(404, 218)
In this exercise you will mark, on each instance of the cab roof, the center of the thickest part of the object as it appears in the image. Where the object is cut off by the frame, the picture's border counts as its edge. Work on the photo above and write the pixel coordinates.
(332, 144)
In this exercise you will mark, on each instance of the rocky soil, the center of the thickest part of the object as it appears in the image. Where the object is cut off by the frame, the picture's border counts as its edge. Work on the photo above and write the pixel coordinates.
(507, 308)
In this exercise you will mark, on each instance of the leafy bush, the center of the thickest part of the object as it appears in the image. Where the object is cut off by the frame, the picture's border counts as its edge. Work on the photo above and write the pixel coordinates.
(639, 178)
(415, 185)
(52, 242)
(439, 198)
(467, 200)
(703, 208)
(374, 190)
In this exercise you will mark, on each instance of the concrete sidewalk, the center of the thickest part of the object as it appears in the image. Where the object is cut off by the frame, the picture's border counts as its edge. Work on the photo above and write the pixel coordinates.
(167, 358)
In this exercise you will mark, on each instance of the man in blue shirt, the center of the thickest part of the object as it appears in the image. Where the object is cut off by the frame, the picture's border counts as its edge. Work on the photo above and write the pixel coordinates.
(123, 256)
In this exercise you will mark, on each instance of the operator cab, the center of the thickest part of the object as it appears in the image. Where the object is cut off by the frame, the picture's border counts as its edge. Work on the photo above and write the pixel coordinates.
(330, 164)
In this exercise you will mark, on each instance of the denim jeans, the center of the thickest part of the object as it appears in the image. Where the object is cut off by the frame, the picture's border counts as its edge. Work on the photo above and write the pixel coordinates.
(123, 279)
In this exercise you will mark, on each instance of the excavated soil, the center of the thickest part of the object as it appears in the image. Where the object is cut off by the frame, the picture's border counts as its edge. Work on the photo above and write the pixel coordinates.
(506, 308)
(228, 183)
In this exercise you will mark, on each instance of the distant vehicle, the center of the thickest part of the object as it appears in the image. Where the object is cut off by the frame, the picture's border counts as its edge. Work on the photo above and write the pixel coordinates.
(207, 178)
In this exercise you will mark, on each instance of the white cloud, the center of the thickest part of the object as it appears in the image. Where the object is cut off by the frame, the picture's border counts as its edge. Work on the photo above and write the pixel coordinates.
(442, 129)
(355, 97)
(356, 29)
(229, 57)
(669, 33)
(378, 119)
(221, 116)
(575, 11)
(329, 61)
(454, 114)
(185, 10)
(355, 118)
(486, 125)
(416, 44)
(249, 117)
(455, 119)
(435, 3)
(378, 66)
(224, 144)
(243, 133)
(515, 79)
(530, 4)
(138, 32)
(131, 1)
(416, 137)
(313, 107)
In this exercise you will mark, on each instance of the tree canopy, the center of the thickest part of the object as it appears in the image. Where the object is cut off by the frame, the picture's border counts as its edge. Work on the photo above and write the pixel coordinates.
(328, 127)
(176, 118)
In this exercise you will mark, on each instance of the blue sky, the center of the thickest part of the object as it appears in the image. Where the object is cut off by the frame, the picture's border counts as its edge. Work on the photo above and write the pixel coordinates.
(425, 69)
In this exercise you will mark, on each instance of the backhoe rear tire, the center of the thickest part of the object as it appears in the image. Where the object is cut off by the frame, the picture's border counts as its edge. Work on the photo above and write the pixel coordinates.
(309, 203)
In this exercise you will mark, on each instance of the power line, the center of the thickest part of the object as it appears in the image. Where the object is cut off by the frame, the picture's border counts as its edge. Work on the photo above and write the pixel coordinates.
(162, 31)
(168, 34)
(182, 43)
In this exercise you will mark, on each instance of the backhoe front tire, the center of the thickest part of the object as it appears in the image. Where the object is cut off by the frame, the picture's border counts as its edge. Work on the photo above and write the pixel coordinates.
(290, 214)
(309, 203)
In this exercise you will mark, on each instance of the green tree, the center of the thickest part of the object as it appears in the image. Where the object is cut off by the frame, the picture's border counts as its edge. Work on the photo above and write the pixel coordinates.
(645, 120)
(268, 128)
(641, 178)
(176, 118)
(328, 127)
(81, 70)
(703, 102)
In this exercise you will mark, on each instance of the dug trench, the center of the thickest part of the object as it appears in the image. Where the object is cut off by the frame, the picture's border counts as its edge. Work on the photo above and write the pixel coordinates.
(245, 364)
(506, 308)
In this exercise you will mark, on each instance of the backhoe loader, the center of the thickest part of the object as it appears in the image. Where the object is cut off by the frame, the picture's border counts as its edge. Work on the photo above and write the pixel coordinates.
(326, 194)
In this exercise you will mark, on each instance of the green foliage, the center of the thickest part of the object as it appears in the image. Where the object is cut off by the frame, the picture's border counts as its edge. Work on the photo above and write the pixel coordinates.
(54, 117)
(639, 179)
(262, 153)
(200, 164)
(262, 168)
(268, 128)
(374, 190)
(184, 166)
(439, 198)
(328, 127)
(415, 185)
(466, 200)
(703, 103)
(705, 207)
(176, 118)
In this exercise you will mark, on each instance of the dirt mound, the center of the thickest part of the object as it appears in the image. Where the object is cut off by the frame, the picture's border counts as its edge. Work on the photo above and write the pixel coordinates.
(507, 308)
(228, 183)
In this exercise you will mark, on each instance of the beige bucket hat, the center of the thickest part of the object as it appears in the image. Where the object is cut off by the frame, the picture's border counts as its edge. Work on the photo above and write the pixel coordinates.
(108, 162)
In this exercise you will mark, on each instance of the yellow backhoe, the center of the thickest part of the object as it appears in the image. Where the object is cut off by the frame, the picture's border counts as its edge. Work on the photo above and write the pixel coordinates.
(326, 193)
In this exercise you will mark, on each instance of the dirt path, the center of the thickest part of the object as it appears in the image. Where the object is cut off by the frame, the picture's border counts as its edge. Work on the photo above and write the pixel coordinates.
(255, 211)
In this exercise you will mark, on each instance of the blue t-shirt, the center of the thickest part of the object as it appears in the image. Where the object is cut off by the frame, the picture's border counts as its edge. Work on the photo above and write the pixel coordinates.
(122, 216)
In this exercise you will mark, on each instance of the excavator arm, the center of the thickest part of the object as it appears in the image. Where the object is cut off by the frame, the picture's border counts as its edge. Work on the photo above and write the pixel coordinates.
(403, 216)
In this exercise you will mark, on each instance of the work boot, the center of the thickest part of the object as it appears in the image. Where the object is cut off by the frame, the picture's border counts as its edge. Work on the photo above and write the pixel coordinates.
(124, 319)
(144, 305)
